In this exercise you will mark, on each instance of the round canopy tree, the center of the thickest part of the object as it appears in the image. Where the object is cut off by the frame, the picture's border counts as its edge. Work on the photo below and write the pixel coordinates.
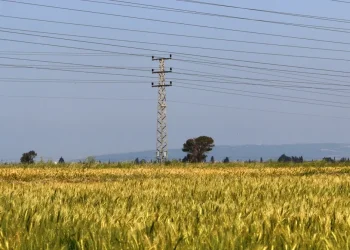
(197, 147)
(28, 158)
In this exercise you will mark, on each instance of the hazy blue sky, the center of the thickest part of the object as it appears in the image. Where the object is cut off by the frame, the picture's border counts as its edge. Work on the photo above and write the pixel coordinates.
(75, 128)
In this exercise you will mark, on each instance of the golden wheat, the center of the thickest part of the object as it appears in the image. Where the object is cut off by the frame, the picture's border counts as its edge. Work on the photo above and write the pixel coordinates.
(175, 207)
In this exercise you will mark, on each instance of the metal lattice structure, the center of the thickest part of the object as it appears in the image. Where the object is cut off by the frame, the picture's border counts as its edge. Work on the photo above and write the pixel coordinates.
(162, 130)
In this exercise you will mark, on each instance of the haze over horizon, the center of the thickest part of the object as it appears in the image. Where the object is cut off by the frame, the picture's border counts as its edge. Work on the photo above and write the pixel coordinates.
(57, 112)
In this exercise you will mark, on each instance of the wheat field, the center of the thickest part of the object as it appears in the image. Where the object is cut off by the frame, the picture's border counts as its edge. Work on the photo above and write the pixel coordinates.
(236, 206)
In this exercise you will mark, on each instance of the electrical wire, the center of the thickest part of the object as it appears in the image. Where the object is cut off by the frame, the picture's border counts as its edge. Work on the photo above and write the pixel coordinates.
(333, 29)
(323, 28)
(170, 101)
(268, 94)
(178, 46)
(179, 53)
(261, 97)
(193, 36)
(323, 18)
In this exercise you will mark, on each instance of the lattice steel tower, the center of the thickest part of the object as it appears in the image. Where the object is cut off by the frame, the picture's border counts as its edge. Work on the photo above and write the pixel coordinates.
(162, 131)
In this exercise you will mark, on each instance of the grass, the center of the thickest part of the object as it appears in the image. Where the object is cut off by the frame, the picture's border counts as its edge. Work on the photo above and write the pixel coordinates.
(236, 206)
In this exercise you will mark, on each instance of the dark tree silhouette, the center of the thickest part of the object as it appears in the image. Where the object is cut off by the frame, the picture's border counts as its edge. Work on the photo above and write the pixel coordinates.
(185, 159)
(261, 160)
(61, 160)
(284, 158)
(329, 159)
(294, 159)
(137, 161)
(28, 158)
(226, 160)
(344, 159)
(197, 147)
(212, 159)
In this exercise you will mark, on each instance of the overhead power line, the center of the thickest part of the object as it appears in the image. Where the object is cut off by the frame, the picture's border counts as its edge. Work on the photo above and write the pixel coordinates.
(179, 53)
(75, 64)
(210, 63)
(111, 73)
(339, 1)
(172, 101)
(332, 29)
(193, 36)
(206, 63)
(262, 97)
(57, 53)
(284, 75)
(78, 71)
(179, 80)
(293, 87)
(71, 64)
(144, 69)
(276, 99)
(185, 11)
(177, 45)
(73, 81)
(227, 77)
(323, 18)
(268, 94)
(237, 67)
(26, 53)
(107, 67)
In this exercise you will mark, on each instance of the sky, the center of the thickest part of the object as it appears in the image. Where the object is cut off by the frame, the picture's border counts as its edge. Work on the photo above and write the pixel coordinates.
(104, 111)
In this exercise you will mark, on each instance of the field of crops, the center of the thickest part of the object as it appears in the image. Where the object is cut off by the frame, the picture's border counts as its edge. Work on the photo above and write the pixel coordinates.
(175, 207)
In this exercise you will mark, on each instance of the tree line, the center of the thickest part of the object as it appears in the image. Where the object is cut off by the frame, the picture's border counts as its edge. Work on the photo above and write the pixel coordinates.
(196, 150)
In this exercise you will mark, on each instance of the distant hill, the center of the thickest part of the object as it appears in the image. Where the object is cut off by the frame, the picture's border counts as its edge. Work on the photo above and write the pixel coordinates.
(254, 152)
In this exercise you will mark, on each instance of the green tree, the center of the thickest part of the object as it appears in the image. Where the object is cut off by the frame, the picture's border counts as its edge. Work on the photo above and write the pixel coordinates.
(197, 147)
(90, 160)
(185, 159)
(226, 160)
(61, 160)
(28, 158)
(212, 159)
(284, 158)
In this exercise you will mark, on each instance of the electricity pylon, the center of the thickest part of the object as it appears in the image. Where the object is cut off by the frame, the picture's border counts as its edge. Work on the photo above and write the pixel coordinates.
(162, 130)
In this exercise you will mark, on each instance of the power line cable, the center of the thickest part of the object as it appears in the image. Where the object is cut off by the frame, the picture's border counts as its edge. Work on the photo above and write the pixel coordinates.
(254, 67)
(323, 18)
(283, 86)
(52, 53)
(261, 97)
(192, 36)
(172, 101)
(214, 91)
(36, 67)
(11, 58)
(325, 28)
(185, 11)
(112, 74)
(180, 53)
(339, 1)
(268, 94)
(79, 71)
(214, 64)
(24, 80)
(109, 54)
(258, 79)
(108, 67)
(178, 46)
(206, 63)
